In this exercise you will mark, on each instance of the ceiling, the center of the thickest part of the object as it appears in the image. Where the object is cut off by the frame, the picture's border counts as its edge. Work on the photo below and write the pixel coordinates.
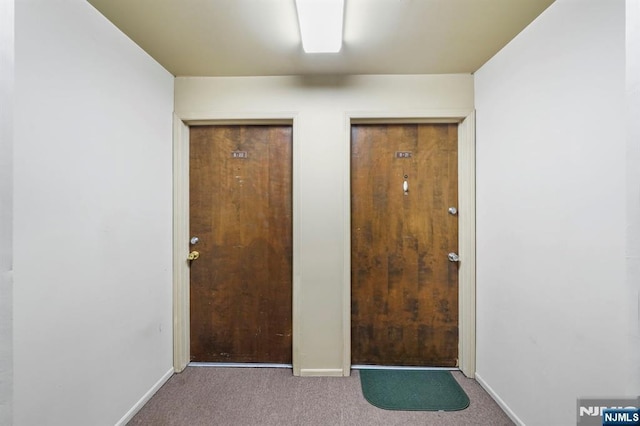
(261, 37)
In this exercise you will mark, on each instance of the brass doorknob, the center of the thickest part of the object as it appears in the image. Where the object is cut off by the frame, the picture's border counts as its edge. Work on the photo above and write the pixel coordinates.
(193, 255)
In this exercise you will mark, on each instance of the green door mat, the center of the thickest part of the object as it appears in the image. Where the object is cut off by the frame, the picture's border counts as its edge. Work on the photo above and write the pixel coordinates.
(413, 390)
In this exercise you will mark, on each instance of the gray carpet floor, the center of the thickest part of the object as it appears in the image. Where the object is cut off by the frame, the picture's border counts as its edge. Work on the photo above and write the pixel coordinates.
(273, 396)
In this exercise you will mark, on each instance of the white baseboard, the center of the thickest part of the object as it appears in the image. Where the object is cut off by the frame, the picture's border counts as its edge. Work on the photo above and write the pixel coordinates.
(499, 401)
(321, 372)
(145, 398)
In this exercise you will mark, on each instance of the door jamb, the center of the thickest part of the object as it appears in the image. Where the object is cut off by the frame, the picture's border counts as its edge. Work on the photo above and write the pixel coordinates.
(466, 225)
(181, 322)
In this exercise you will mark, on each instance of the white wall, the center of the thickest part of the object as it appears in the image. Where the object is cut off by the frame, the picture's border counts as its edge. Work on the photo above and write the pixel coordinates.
(321, 105)
(552, 290)
(6, 208)
(633, 181)
(92, 218)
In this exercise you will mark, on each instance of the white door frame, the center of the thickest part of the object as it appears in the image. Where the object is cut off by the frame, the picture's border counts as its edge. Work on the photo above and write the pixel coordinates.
(466, 225)
(466, 194)
(181, 309)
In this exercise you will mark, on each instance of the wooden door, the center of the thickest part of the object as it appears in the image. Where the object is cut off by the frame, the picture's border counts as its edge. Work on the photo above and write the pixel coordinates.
(404, 289)
(241, 211)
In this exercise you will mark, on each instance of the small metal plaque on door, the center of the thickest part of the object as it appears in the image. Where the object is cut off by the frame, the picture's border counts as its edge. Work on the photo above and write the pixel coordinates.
(403, 154)
(239, 154)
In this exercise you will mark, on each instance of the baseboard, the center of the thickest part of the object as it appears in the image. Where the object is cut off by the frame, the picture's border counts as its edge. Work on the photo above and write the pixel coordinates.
(145, 398)
(321, 372)
(499, 401)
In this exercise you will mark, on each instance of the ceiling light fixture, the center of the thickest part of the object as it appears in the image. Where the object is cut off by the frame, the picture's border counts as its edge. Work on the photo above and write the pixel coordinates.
(320, 25)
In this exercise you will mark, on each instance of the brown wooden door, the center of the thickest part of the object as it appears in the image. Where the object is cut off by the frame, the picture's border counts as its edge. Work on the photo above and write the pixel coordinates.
(404, 289)
(241, 211)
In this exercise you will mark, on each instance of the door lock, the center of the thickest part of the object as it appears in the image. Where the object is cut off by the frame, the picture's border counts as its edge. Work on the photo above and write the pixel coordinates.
(453, 257)
(193, 255)
(453, 211)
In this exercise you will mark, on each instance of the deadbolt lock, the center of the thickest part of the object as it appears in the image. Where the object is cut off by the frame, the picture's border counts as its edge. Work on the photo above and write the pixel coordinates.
(193, 255)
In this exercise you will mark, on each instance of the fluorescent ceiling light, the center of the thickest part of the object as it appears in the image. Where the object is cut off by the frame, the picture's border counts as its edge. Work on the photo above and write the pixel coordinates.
(320, 25)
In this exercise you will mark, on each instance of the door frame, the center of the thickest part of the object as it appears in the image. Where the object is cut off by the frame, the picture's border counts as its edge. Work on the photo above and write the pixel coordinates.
(181, 277)
(466, 224)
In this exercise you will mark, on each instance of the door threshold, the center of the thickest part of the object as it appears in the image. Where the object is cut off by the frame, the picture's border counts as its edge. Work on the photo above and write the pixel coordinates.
(239, 365)
(401, 367)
